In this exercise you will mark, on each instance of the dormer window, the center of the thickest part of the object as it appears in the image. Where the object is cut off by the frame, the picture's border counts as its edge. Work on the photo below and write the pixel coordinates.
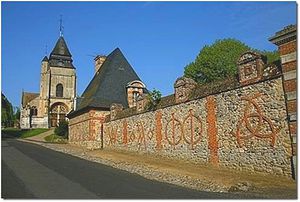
(134, 90)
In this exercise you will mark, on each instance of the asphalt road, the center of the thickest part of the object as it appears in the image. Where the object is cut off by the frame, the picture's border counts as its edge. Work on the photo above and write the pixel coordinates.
(32, 171)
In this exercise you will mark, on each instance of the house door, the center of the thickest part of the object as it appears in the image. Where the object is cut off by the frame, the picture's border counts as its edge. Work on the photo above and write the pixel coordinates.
(58, 113)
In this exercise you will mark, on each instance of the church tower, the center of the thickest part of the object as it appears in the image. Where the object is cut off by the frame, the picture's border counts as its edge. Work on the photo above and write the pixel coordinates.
(61, 87)
(58, 85)
(57, 90)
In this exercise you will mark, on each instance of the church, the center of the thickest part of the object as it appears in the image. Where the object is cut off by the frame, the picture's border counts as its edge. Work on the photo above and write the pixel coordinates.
(115, 84)
(57, 90)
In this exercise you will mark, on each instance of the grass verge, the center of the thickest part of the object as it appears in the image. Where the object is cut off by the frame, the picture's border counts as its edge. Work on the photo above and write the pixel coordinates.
(23, 133)
(56, 139)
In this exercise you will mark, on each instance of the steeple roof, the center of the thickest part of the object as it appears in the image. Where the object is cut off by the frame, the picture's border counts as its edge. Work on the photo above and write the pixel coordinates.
(61, 48)
(60, 55)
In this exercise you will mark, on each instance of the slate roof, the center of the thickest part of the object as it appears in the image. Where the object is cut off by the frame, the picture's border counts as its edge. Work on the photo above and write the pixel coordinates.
(61, 48)
(45, 59)
(27, 97)
(60, 55)
(109, 83)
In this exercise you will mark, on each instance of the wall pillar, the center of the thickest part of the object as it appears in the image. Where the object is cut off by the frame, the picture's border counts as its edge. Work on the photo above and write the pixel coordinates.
(286, 40)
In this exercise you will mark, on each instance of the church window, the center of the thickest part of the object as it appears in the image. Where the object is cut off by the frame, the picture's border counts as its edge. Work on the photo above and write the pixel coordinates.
(59, 90)
(33, 111)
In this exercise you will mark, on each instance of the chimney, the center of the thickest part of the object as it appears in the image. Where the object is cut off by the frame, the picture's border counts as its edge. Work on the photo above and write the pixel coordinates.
(99, 60)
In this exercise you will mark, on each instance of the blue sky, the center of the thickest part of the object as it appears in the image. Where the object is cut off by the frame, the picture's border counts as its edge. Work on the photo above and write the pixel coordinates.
(158, 38)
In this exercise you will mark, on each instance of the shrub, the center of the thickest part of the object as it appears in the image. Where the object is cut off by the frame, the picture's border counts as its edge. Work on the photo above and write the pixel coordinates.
(62, 129)
(154, 98)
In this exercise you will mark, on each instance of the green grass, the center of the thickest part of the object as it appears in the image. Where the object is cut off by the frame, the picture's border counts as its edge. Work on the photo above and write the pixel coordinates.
(56, 139)
(19, 133)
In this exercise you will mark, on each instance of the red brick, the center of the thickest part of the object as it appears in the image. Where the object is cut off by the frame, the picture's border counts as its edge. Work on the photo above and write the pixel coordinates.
(292, 106)
(289, 66)
(288, 48)
(293, 127)
(290, 85)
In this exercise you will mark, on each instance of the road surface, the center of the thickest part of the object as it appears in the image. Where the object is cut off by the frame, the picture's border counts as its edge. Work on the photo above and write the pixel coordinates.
(32, 171)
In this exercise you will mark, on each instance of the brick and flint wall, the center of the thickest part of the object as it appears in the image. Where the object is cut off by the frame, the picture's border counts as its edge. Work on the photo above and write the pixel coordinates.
(240, 123)
(244, 128)
(245, 123)
(85, 129)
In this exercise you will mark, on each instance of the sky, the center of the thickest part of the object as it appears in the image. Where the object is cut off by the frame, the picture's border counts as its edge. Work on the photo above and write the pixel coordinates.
(158, 38)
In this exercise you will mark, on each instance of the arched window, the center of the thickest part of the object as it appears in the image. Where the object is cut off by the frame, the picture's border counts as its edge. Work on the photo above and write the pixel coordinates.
(59, 90)
(134, 90)
(33, 111)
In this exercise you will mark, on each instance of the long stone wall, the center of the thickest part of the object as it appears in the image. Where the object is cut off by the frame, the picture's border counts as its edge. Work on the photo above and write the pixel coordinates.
(244, 128)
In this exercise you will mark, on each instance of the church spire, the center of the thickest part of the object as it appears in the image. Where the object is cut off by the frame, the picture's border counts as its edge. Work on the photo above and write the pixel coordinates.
(61, 27)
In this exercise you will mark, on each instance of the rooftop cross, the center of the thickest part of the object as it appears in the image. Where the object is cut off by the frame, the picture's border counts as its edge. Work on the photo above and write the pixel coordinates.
(61, 27)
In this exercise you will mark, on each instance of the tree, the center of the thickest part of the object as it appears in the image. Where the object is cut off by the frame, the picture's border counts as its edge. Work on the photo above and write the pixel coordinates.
(17, 113)
(272, 56)
(16, 117)
(6, 112)
(216, 62)
(154, 98)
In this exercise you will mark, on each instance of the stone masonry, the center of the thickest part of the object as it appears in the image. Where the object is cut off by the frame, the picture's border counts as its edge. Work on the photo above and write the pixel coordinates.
(243, 128)
(86, 129)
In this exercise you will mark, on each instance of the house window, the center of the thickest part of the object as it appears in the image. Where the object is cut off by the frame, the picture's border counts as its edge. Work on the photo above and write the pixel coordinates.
(59, 90)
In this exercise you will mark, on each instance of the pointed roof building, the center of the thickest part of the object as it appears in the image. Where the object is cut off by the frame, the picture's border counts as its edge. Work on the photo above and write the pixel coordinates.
(109, 84)
(60, 55)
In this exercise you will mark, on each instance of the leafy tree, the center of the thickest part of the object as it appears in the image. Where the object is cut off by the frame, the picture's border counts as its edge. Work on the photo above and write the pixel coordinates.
(217, 61)
(16, 117)
(154, 98)
(6, 112)
(272, 56)
(17, 113)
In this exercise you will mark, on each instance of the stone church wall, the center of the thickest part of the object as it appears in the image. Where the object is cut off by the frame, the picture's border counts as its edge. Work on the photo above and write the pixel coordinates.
(24, 120)
(243, 128)
(39, 122)
(66, 77)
